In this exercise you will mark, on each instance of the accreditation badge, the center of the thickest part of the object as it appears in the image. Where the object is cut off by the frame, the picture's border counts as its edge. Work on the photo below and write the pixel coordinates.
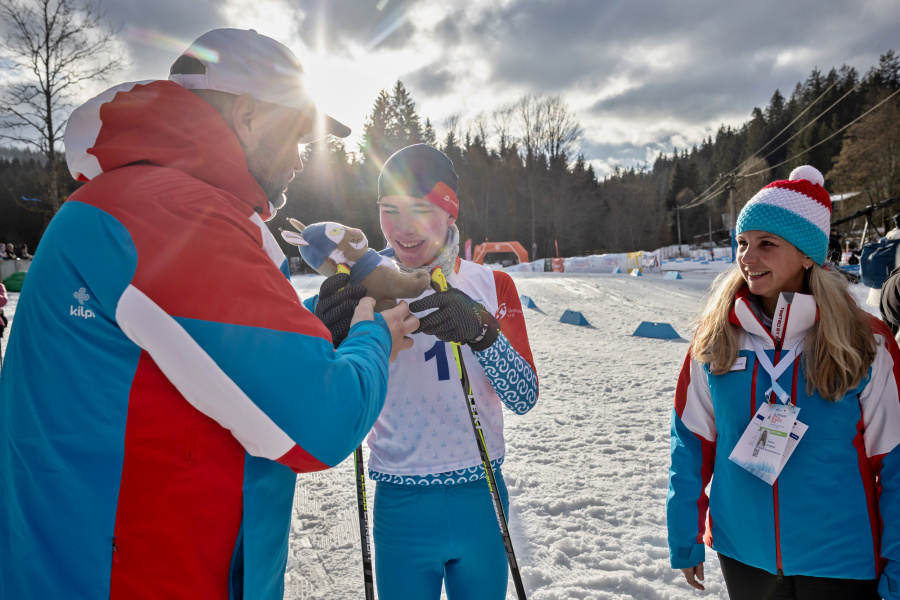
(769, 440)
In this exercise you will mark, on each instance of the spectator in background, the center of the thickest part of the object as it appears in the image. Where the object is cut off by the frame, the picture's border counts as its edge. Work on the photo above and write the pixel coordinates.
(3, 301)
(11, 251)
(890, 302)
(853, 250)
(3, 254)
(874, 297)
(834, 247)
(22, 252)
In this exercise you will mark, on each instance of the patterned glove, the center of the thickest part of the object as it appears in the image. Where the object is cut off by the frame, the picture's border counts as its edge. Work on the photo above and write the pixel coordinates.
(458, 319)
(336, 305)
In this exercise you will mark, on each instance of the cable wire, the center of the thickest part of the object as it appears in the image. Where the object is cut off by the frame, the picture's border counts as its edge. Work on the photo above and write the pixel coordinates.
(819, 143)
(803, 112)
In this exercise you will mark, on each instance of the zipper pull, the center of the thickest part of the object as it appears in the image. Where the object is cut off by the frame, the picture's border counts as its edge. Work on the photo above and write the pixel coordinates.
(780, 576)
(777, 344)
(115, 550)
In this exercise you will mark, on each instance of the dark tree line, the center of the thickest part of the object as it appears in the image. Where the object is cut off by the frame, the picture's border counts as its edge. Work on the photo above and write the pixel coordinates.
(522, 177)
(810, 127)
(24, 175)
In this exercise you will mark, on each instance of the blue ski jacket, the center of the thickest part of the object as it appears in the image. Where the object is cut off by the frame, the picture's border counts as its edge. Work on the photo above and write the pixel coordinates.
(834, 510)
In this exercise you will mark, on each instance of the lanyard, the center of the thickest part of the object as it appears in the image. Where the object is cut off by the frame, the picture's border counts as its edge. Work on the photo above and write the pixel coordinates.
(776, 371)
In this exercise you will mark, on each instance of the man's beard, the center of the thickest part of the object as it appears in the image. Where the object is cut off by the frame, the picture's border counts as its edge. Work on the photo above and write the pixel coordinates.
(274, 190)
(278, 202)
(274, 185)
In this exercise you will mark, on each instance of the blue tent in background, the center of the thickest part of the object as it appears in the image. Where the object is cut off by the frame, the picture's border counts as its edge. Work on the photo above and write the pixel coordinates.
(527, 302)
(661, 331)
(573, 317)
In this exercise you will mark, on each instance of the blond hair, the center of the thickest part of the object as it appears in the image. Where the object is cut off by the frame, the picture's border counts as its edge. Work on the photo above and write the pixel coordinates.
(838, 349)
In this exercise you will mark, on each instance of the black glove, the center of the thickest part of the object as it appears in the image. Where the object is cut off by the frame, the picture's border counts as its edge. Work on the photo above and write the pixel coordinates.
(336, 305)
(458, 319)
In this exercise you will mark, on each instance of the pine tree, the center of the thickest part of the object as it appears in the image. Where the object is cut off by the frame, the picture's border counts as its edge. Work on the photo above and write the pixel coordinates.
(428, 134)
(887, 74)
(406, 129)
(376, 146)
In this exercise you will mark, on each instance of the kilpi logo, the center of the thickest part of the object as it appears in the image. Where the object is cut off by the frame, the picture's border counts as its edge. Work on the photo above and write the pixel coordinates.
(80, 311)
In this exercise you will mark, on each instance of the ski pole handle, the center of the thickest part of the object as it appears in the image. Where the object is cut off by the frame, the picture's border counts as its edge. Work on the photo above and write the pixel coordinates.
(437, 276)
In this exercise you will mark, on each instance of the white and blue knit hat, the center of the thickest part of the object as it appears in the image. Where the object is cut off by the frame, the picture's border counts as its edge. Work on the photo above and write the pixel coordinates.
(797, 209)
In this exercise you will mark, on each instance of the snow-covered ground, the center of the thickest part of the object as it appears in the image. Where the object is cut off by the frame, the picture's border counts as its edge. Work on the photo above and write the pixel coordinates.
(586, 468)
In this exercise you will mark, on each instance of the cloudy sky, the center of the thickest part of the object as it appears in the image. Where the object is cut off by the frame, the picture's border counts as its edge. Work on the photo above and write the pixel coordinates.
(640, 76)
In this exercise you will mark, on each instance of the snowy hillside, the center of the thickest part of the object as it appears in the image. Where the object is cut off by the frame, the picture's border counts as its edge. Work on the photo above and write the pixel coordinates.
(586, 469)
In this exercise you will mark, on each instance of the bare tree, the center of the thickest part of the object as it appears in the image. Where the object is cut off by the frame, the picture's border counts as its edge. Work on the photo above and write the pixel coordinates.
(530, 113)
(503, 120)
(503, 126)
(478, 169)
(480, 127)
(53, 48)
(561, 129)
(549, 132)
(451, 126)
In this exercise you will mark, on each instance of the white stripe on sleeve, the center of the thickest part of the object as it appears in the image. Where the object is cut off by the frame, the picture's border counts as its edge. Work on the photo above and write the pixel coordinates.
(698, 415)
(197, 376)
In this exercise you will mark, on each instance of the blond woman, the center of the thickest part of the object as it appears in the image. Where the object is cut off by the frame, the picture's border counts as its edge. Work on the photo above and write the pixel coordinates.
(780, 329)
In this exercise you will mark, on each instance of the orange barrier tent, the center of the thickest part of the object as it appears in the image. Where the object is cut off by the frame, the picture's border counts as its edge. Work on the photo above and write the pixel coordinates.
(488, 247)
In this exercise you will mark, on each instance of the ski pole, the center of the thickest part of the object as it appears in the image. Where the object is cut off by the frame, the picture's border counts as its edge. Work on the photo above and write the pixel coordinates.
(359, 468)
(437, 276)
(361, 503)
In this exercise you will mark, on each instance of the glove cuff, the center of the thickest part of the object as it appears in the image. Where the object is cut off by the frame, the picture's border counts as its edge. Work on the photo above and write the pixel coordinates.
(490, 329)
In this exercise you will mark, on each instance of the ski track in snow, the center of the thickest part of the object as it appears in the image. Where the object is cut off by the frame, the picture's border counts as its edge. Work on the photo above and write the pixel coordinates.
(587, 468)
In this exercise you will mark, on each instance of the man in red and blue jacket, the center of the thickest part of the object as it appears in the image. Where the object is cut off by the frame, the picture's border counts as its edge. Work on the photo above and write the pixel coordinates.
(163, 383)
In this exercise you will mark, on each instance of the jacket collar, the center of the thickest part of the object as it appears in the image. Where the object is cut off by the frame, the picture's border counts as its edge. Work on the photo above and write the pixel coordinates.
(160, 123)
(795, 314)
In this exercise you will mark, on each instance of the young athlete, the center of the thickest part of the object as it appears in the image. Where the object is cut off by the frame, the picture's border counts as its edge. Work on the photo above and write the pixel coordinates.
(434, 520)
(780, 334)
